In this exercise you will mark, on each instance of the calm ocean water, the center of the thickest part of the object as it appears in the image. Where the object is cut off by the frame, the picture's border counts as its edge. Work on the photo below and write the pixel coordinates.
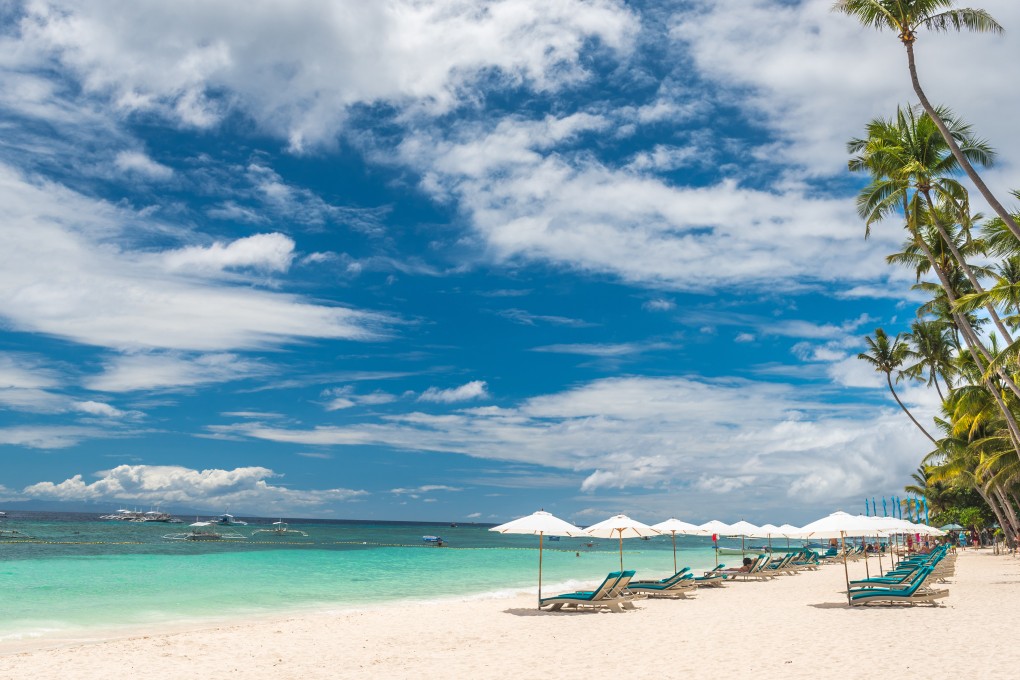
(82, 573)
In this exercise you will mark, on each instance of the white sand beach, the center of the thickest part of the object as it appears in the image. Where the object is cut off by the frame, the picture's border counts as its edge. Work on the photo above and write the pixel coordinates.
(797, 626)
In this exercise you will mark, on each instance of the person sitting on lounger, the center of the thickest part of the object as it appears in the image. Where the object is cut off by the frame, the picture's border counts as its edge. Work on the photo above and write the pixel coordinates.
(747, 566)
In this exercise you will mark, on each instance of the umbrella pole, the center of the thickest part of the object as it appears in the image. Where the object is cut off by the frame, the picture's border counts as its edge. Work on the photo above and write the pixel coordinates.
(867, 558)
(621, 550)
(846, 571)
(878, 542)
(539, 569)
(674, 552)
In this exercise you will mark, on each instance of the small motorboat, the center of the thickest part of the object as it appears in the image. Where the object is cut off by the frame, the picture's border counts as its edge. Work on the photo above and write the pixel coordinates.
(436, 541)
(226, 519)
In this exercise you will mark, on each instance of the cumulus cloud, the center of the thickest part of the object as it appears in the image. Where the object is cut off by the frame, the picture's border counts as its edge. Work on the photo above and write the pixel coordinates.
(476, 389)
(530, 196)
(297, 70)
(244, 489)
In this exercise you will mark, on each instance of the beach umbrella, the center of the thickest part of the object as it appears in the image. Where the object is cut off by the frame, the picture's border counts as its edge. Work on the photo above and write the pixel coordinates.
(674, 527)
(743, 529)
(715, 527)
(789, 531)
(621, 527)
(543, 524)
(839, 525)
(951, 527)
(767, 531)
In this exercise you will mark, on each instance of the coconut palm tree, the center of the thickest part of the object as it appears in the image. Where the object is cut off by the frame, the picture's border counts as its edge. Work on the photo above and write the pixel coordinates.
(906, 17)
(931, 348)
(887, 357)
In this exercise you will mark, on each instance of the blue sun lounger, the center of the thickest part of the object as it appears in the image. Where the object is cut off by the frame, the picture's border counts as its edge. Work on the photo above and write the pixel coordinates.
(605, 596)
(676, 586)
(917, 593)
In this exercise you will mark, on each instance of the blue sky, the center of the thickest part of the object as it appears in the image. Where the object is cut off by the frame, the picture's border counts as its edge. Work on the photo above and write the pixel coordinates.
(456, 260)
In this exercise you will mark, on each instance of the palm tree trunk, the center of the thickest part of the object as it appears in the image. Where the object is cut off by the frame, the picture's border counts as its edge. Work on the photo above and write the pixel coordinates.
(935, 380)
(1007, 528)
(954, 147)
(970, 336)
(1010, 511)
(888, 379)
(958, 256)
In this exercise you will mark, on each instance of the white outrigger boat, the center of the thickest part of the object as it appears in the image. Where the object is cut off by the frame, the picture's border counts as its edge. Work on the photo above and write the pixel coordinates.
(201, 532)
(280, 529)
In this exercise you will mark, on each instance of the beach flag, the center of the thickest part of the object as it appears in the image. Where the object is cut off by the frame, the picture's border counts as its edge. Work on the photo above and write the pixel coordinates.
(899, 507)
(926, 511)
(874, 508)
(865, 507)
(885, 508)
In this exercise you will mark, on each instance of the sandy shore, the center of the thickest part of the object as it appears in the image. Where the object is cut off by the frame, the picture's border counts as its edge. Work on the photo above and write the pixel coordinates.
(797, 626)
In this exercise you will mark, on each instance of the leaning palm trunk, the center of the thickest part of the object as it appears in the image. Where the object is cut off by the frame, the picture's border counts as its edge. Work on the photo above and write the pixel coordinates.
(993, 313)
(971, 337)
(1010, 511)
(908, 42)
(1007, 527)
(888, 379)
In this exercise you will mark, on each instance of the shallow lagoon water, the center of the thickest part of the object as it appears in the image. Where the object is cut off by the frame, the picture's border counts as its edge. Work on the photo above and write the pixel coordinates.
(83, 573)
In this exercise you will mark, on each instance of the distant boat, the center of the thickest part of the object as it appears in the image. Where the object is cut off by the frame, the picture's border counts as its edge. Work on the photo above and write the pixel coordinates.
(201, 531)
(227, 519)
(124, 515)
(433, 540)
(280, 529)
(453, 524)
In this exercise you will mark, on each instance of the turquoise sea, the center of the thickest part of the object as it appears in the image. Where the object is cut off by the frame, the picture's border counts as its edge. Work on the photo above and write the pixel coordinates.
(79, 573)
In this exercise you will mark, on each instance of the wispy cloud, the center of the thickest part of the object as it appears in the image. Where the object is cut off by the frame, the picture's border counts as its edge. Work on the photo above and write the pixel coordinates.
(476, 389)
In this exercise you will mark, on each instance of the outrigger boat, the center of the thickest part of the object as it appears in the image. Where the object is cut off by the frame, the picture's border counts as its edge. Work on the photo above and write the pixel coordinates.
(202, 532)
(280, 529)
(228, 520)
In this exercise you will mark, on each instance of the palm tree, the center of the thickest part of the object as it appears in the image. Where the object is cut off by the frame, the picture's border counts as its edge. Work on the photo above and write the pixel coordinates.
(932, 349)
(906, 17)
(911, 166)
(887, 357)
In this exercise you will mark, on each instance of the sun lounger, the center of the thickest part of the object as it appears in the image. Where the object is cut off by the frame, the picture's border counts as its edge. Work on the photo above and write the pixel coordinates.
(588, 599)
(917, 593)
(678, 586)
(755, 573)
(669, 579)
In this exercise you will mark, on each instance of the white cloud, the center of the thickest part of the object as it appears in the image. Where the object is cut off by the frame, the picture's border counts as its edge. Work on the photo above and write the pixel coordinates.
(818, 77)
(296, 70)
(156, 371)
(530, 199)
(655, 432)
(659, 305)
(243, 489)
(268, 252)
(426, 488)
(98, 408)
(744, 337)
(476, 389)
(103, 294)
(138, 162)
(50, 436)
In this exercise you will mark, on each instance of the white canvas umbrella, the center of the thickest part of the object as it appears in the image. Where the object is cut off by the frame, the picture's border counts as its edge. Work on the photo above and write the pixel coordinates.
(767, 531)
(541, 523)
(714, 527)
(674, 527)
(743, 529)
(621, 526)
(839, 525)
